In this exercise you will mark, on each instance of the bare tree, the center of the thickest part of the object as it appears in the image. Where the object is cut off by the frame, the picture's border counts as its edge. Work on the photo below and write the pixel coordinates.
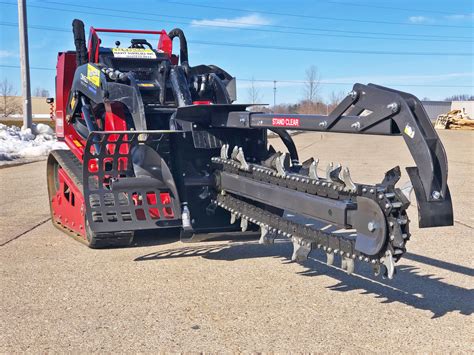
(41, 92)
(9, 104)
(253, 92)
(334, 99)
(312, 84)
(460, 97)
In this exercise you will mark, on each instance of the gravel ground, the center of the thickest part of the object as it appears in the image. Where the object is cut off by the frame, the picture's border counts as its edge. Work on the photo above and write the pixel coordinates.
(162, 295)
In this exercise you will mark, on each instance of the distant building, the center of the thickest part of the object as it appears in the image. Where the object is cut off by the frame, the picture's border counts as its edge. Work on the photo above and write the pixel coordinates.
(436, 108)
(466, 106)
(40, 109)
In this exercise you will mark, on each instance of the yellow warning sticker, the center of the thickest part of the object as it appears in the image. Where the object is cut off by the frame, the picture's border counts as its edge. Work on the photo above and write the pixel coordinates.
(93, 75)
(73, 102)
(137, 53)
(146, 85)
(409, 131)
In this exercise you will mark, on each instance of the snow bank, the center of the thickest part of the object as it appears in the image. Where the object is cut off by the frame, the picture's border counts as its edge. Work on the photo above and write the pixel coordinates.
(27, 144)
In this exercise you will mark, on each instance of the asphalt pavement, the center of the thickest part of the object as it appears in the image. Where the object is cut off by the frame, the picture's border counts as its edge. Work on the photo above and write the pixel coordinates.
(161, 295)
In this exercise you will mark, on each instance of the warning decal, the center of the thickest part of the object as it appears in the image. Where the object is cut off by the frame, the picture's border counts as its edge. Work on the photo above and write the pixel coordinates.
(93, 75)
(137, 53)
(409, 131)
(146, 85)
(285, 122)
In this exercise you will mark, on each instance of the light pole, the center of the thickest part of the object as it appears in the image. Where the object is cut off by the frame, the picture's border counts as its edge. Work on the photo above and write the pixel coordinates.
(25, 64)
(274, 92)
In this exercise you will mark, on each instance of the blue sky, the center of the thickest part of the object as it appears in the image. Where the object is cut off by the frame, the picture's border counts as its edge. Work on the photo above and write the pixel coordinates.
(302, 34)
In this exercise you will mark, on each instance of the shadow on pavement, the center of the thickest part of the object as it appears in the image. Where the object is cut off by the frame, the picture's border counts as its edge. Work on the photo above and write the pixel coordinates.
(440, 264)
(426, 292)
(167, 236)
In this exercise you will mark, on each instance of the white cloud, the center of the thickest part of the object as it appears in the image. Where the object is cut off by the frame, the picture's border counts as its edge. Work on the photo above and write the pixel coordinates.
(419, 19)
(251, 20)
(461, 17)
(7, 54)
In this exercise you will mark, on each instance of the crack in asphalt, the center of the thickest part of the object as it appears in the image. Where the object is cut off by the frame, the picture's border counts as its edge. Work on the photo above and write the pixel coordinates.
(463, 224)
(25, 232)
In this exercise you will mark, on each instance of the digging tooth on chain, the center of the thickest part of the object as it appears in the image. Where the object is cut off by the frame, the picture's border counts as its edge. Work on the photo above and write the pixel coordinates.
(244, 224)
(389, 264)
(301, 249)
(234, 153)
(280, 164)
(329, 167)
(313, 170)
(225, 151)
(240, 157)
(307, 163)
(345, 176)
(233, 218)
(329, 257)
(347, 264)
(267, 237)
(377, 269)
(332, 173)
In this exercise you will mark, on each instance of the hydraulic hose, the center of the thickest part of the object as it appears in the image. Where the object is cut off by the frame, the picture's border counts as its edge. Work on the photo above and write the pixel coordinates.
(80, 42)
(183, 44)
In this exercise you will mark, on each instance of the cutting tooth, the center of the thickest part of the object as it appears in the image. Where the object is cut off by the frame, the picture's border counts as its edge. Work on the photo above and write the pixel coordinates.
(225, 152)
(332, 173)
(347, 264)
(240, 157)
(343, 264)
(233, 218)
(345, 176)
(330, 258)
(313, 170)
(407, 189)
(301, 250)
(263, 235)
(280, 164)
(328, 171)
(307, 163)
(244, 224)
(376, 268)
(389, 264)
(270, 161)
(234, 153)
(266, 236)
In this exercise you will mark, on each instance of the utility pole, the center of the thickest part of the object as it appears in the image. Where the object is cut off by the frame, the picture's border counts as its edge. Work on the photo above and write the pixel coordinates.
(25, 64)
(274, 92)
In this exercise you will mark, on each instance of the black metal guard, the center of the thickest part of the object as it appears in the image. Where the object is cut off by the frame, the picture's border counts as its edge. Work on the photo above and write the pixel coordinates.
(119, 193)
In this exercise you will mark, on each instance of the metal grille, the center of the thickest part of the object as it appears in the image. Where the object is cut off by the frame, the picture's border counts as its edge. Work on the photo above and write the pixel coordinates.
(117, 200)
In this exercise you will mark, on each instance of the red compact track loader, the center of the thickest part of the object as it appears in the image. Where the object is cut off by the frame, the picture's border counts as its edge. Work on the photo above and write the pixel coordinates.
(157, 143)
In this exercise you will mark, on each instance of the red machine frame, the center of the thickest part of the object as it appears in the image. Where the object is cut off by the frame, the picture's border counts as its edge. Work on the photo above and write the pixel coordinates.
(65, 70)
(68, 198)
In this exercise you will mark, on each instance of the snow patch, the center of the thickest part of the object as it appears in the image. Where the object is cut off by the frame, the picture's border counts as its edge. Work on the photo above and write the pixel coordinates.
(27, 144)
